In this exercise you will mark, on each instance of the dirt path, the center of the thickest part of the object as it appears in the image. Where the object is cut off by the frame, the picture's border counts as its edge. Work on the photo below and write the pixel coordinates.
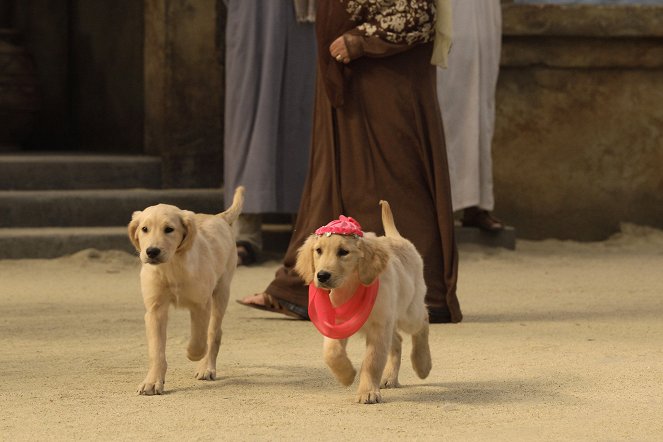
(561, 341)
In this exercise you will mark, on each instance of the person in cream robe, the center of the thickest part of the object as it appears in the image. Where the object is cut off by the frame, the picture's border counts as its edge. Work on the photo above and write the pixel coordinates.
(466, 93)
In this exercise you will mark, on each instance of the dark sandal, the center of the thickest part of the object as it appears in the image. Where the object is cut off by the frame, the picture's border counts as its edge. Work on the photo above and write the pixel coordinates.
(439, 316)
(483, 219)
(275, 306)
(246, 255)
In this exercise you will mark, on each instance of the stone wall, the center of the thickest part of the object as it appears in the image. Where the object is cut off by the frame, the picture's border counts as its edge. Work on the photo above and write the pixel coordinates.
(106, 75)
(44, 28)
(89, 61)
(130, 76)
(184, 89)
(578, 146)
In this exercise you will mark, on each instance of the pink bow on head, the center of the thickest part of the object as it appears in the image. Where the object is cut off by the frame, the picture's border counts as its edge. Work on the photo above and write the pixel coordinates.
(342, 226)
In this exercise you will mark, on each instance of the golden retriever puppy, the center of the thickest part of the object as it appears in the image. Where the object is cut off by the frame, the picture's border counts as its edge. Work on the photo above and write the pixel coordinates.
(188, 260)
(341, 264)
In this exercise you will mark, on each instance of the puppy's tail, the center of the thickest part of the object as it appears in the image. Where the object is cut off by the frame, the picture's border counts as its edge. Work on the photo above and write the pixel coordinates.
(388, 221)
(231, 214)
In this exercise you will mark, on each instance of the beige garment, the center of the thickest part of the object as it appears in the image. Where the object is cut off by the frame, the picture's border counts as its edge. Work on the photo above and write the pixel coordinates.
(466, 93)
(305, 10)
(443, 32)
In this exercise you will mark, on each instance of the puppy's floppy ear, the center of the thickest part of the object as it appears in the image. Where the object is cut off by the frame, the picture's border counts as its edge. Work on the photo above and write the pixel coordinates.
(133, 229)
(304, 265)
(190, 230)
(373, 262)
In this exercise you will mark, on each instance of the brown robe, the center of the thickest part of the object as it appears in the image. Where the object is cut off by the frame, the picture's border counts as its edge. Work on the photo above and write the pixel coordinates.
(377, 134)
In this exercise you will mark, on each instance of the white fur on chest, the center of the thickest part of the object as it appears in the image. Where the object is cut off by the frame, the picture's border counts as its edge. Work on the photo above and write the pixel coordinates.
(181, 280)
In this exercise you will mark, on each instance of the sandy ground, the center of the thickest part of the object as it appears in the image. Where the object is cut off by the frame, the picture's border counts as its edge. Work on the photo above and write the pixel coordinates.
(561, 341)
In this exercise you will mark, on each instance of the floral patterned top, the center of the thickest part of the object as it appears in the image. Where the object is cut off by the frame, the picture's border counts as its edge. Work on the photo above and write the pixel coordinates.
(395, 21)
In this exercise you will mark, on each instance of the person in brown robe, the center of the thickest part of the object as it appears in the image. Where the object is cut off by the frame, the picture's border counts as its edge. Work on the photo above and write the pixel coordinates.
(377, 134)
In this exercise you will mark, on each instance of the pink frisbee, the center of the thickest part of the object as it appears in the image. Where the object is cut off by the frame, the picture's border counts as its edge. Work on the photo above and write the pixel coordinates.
(343, 321)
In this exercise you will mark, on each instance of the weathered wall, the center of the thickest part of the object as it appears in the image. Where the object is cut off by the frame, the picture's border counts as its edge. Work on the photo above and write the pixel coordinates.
(184, 89)
(578, 146)
(89, 60)
(137, 76)
(44, 29)
(106, 75)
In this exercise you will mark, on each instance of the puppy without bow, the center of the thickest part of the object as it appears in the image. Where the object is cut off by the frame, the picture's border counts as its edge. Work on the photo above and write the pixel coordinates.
(188, 260)
(342, 263)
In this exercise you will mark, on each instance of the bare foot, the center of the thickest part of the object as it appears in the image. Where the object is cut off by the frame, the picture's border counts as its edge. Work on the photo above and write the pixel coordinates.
(263, 301)
(256, 299)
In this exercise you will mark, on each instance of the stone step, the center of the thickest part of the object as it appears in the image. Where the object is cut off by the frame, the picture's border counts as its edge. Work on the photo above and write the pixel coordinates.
(471, 235)
(75, 171)
(96, 208)
(52, 242)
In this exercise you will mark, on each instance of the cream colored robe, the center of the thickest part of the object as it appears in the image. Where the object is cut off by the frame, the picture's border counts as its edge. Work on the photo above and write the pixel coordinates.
(466, 93)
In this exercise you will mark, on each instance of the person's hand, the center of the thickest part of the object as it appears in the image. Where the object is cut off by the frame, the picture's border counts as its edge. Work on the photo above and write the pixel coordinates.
(339, 51)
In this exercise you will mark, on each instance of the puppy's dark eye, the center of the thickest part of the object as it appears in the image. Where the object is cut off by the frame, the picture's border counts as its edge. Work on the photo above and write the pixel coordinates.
(168, 230)
(342, 252)
(318, 251)
(144, 229)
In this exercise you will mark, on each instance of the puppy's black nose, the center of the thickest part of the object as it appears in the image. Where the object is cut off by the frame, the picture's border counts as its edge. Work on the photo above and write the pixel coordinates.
(323, 276)
(153, 252)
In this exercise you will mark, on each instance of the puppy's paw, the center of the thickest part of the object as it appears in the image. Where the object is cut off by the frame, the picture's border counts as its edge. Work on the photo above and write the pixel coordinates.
(390, 383)
(151, 386)
(420, 356)
(346, 378)
(205, 371)
(206, 374)
(196, 351)
(369, 397)
(421, 362)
